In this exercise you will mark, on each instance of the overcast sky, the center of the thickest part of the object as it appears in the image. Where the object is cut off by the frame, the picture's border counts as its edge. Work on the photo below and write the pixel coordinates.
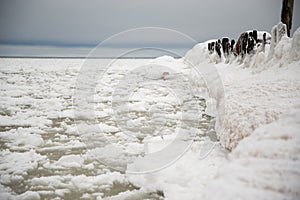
(88, 22)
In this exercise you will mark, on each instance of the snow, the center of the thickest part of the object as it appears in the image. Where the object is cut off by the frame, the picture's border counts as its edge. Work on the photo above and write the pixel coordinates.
(254, 95)
(295, 50)
(70, 161)
(260, 126)
(29, 195)
(257, 119)
(186, 179)
(154, 137)
(266, 164)
(22, 138)
(14, 164)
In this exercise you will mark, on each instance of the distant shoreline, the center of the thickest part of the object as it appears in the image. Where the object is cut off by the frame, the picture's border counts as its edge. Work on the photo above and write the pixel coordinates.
(65, 57)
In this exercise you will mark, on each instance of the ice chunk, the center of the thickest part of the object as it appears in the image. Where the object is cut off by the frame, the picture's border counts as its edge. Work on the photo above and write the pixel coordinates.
(29, 195)
(295, 51)
(70, 161)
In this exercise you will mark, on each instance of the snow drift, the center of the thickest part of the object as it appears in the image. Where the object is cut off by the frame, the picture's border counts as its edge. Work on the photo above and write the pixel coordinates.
(257, 101)
(260, 123)
(256, 92)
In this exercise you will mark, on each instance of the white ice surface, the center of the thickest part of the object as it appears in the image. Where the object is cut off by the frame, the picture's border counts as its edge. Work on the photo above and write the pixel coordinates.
(44, 155)
(258, 119)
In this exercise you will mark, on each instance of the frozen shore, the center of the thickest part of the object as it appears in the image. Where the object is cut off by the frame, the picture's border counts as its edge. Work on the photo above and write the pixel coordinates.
(258, 122)
(44, 143)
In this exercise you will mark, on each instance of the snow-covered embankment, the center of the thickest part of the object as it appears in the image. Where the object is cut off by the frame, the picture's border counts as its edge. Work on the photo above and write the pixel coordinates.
(258, 121)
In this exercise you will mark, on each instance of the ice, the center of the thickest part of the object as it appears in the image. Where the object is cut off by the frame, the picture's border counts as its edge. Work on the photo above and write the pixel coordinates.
(260, 124)
(56, 151)
(295, 50)
(281, 31)
(22, 138)
(265, 164)
(29, 195)
(70, 161)
(15, 165)
(186, 179)
(120, 143)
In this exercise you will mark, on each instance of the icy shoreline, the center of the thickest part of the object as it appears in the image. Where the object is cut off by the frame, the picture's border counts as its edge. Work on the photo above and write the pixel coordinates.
(258, 111)
(45, 156)
(256, 105)
(260, 124)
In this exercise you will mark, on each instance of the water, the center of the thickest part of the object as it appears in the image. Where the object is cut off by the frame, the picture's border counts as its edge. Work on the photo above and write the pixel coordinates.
(65, 155)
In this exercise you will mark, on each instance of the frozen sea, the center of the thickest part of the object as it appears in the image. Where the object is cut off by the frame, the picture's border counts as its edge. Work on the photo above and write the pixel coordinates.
(82, 129)
(153, 128)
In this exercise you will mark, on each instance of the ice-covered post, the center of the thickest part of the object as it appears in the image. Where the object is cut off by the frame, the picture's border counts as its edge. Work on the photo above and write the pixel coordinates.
(287, 14)
(273, 41)
(295, 50)
(281, 31)
(277, 32)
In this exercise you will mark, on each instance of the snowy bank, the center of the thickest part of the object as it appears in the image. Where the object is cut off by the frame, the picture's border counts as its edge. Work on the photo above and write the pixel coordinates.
(253, 94)
(258, 121)
(266, 164)
(257, 105)
(255, 100)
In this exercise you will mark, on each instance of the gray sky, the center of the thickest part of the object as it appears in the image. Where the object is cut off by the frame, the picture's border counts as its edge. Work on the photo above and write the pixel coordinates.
(88, 22)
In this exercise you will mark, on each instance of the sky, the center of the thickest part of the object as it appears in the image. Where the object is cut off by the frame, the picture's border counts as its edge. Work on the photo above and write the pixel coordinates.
(73, 24)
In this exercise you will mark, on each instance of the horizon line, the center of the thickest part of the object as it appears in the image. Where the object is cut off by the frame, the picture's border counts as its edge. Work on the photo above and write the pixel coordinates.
(82, 57)
(92, 45)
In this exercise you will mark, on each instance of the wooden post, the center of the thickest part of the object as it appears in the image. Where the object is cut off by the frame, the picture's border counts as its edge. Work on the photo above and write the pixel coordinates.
(287, 14)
